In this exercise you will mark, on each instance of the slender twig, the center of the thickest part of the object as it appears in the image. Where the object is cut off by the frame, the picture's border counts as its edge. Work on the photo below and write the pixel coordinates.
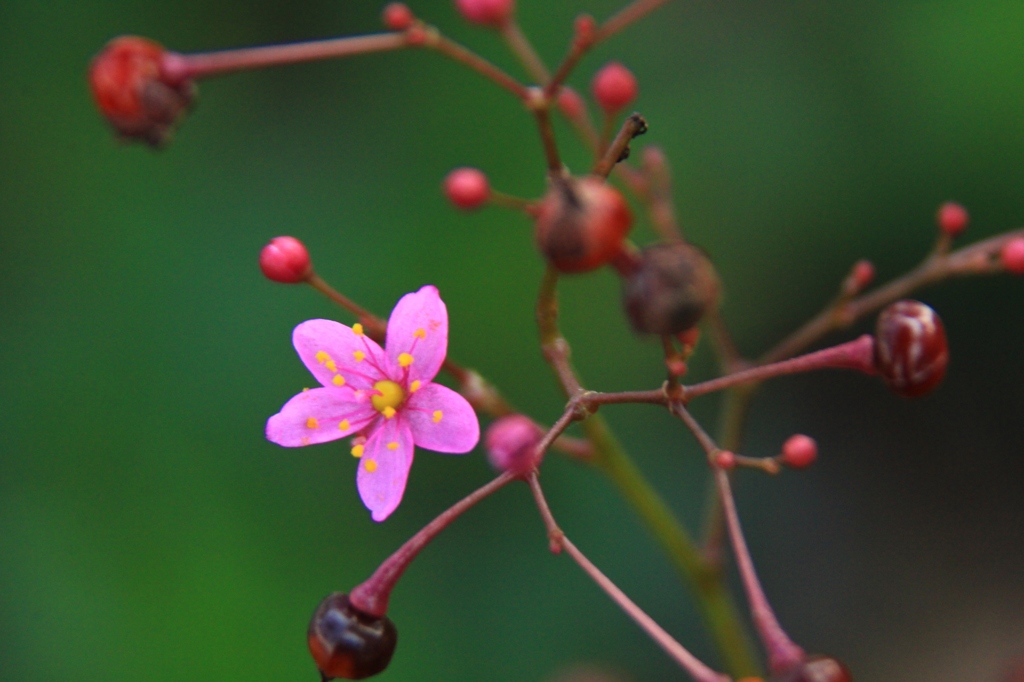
(372, 595)
(524, 51)
(540, 106)
(448, 47)
(553, 345)
(618, 150)
(181, 67)
(558, 540)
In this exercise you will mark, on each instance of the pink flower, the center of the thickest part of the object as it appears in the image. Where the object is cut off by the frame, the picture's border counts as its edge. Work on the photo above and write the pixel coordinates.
(387, 396)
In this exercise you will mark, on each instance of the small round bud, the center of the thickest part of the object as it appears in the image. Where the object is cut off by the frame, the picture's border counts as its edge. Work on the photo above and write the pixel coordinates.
(585, 27)
(952, 218)
(911, 352)
(467, 188)
(816, 669)
(669, 289)
(614, 87)
(285, 260)
(511, 444)
(862, 275)
(493, 13)
(799, 451)
(571, 104)
(725, 460)
(133, 92)
(1012, 256)
(397, 16)
(348, 643)
(580, 223)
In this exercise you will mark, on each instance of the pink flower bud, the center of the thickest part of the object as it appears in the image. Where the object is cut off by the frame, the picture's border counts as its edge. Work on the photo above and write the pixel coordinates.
(285, 260)
(570, 102)
(862, 274)
(493, 13)
(911, 352)
(952, 218)
(725, 460)
(134, 93)
(614, 87)
(397, 16)
(799, 451)
(581, 223)
(467, 188)
(511, 443)
(1012, 256)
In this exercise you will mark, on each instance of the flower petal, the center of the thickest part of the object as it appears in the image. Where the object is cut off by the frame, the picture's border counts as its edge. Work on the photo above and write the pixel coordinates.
(317, 416)
(442, 420)
(418, 329)
(331, 350)
(384, 467)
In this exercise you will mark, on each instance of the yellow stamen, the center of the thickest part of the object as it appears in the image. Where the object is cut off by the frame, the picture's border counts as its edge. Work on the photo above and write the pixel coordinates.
(392, 445)
(312, 423)
(357, 451)
(388, 394)
(388, 412)
(419, 333)
(305, 389)
(357, 329)
(370, 465)
(404, 359)
(338, 380)
(437, 416)
(331, 366)
(415, 386)
(359, 355)
(322, 357)
(344, 425)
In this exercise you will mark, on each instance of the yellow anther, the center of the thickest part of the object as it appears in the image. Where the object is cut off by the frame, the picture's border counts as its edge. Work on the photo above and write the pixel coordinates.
(305, 389)
(322, 357)
(420, 334)
(357, 451)
(388, 412)
(437, 416)
(415, 386)
(359, 355)
(312, 423)
(357, 329)
(404, 359)
(331, 366)
(344, 425)
(370, 465)
(392, 445)
(338, 380)
(387, 394)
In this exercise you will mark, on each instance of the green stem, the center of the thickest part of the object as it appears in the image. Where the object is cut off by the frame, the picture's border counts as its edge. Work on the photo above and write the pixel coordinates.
(716, 604)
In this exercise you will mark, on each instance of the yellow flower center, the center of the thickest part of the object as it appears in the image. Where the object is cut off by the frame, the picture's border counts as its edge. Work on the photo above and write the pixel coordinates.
(389, 396)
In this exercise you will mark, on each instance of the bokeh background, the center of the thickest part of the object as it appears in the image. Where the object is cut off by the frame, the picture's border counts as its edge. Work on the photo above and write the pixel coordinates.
(149, 532)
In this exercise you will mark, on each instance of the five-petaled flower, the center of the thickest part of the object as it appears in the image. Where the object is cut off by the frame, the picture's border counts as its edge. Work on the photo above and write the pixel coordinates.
(386, 396)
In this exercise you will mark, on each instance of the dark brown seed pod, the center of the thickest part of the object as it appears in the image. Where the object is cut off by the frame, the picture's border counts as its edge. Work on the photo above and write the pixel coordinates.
(347, 643)
(669, 289)
(816, 669)
(911, 352)
(581, 223)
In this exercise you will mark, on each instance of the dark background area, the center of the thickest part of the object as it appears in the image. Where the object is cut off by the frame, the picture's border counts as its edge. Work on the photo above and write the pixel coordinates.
(149, 532)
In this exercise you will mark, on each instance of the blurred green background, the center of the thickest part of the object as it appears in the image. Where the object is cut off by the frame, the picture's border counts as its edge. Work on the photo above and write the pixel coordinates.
(149, 532)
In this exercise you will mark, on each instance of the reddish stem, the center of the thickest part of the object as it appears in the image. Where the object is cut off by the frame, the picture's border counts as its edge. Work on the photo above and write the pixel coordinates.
(371, 596)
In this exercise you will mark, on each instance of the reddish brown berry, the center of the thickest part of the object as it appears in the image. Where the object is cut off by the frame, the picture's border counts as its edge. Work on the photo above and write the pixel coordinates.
(467, 188)
(511, 444)
(911, 352)
(614, 87)
(816, 669)
(133, 93)
(397, 16)
(1012, 256)
(493, 13)
(952, 218)
(581, 223)
(285, 260)
(348, 643)
(799, 451)
(669, 288)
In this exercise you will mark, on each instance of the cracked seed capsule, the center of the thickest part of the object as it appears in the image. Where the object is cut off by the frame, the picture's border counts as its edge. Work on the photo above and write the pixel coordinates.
(347, 643)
